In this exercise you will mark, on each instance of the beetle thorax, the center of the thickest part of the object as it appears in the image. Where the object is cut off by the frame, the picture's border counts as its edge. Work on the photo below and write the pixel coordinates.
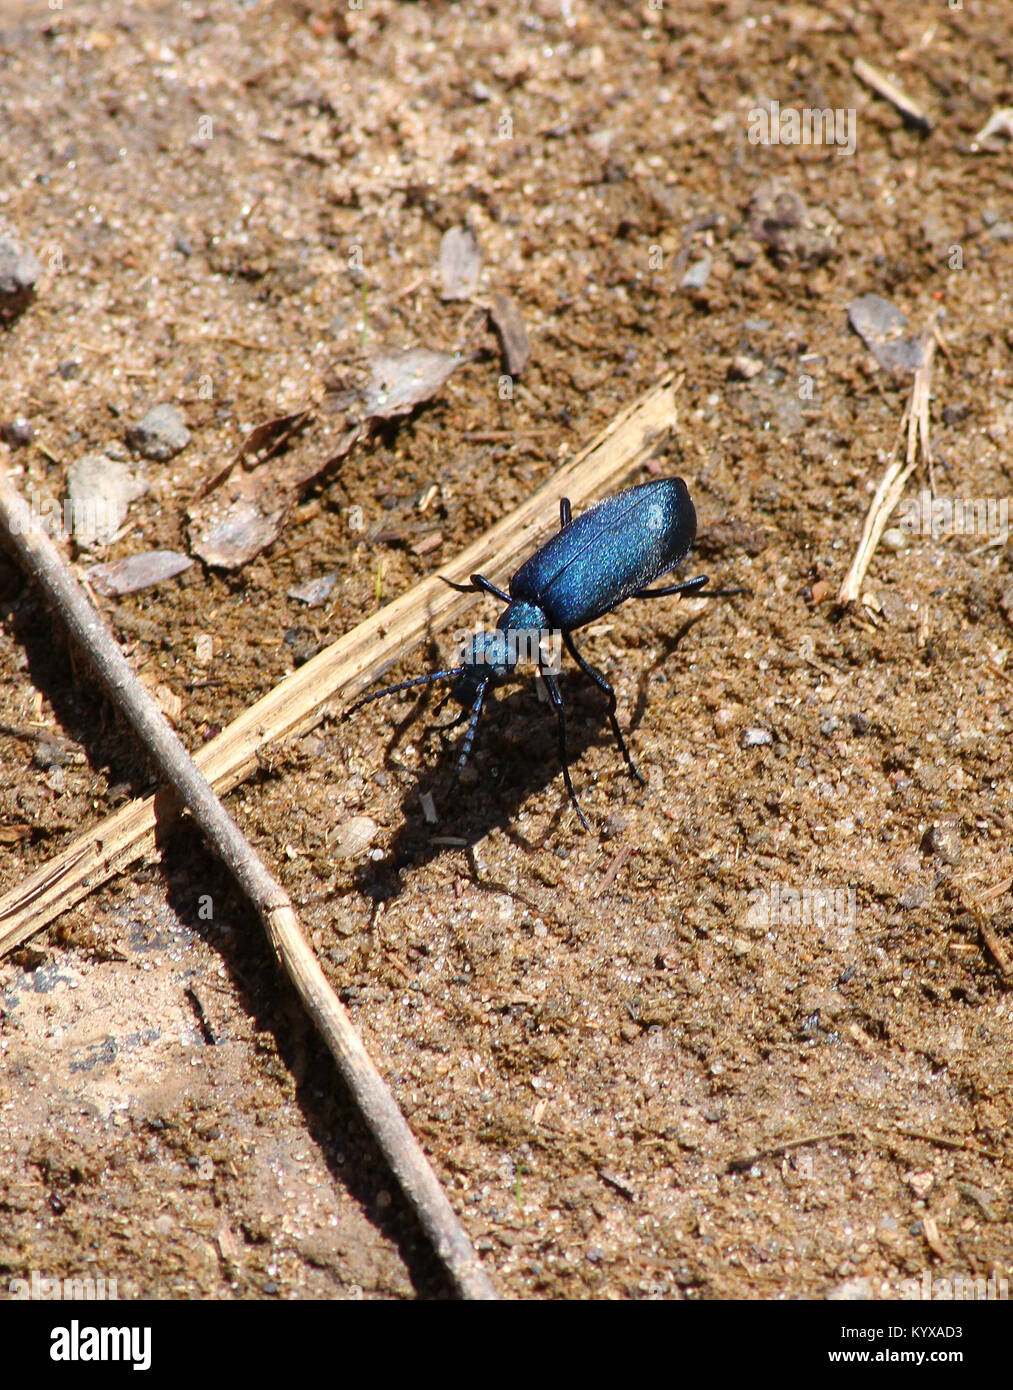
(491, 656)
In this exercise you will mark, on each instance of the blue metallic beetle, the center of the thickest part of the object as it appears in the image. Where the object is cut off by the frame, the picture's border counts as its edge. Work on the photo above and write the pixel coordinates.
(591, 566)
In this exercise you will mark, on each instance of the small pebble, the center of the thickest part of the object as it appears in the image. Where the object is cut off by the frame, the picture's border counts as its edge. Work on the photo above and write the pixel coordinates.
(354, 836)
(48, 755)
(302, 644)
(851, 1291)
(755, 738)
(921, 1184)
(17, 432)
(943, 841)
(915, 895)
(894, 539)
(743, 368)
(830, 726)
(160, 434)
(19, 270)
(696, 276)
(724, 719)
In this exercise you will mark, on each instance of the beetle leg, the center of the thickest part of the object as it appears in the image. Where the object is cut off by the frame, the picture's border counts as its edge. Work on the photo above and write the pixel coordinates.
(557, 703)
(478, 584)
(469, 736)
(688, 586)
(564, 513)
(610, 694)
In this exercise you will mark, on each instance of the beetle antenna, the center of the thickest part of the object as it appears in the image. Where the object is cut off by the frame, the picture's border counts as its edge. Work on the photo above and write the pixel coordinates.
(449, 674)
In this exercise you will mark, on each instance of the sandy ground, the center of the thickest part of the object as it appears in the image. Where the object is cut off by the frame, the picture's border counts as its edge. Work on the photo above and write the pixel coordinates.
(747, 1038)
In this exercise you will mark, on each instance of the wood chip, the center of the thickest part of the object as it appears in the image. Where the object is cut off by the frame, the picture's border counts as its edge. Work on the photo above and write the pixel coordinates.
(996, 950)
(999, 123)
(933, 1239)
(915, 421)
(431, 542)
(514, 342)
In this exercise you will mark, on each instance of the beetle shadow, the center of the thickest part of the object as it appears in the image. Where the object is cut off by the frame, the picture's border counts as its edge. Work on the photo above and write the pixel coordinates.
(670, 644)
(515, 754)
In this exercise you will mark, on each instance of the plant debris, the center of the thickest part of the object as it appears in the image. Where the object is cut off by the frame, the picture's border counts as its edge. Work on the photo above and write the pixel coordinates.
(460, 263)
(118, 577)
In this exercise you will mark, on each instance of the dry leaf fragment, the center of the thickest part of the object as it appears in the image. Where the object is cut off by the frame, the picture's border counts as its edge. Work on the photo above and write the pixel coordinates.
(136, 572)
(241, 510)
(460, 263)
(514, 343)
(399, 381)
(314, 592)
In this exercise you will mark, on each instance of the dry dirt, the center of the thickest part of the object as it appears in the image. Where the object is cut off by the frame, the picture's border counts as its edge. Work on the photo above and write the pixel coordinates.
(608, 1045)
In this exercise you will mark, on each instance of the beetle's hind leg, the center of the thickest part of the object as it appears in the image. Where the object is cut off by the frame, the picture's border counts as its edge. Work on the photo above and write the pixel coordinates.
(557, 704)
(610, 695)
(479, 584)
(688, 586)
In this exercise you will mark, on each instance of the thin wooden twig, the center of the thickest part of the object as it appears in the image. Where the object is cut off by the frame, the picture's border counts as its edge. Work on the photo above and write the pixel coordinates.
(346, 667)
(891, 486)
(883, 86)
(390, 1129)
(738, 1165)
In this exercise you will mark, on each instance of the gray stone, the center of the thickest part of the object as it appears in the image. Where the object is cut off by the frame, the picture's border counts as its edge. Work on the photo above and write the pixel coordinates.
(160, 435)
